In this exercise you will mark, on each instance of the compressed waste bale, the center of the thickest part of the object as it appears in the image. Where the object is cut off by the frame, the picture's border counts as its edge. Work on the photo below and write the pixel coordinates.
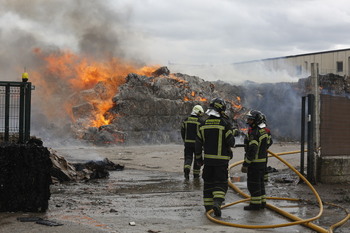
(25, 177)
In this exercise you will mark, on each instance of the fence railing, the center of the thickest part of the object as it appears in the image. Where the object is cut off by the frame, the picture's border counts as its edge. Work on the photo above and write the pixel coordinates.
(15, 105)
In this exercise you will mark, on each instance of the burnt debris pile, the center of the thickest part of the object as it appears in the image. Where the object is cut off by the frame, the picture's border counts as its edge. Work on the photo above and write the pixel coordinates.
(24, 177)
(149, 110)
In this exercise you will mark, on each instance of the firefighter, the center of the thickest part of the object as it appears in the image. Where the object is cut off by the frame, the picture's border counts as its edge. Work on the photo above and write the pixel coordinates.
(215, 138)
(256, 145)
(189, 128)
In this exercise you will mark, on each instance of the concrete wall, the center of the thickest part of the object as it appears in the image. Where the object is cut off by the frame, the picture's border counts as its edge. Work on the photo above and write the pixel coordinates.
(334, 169)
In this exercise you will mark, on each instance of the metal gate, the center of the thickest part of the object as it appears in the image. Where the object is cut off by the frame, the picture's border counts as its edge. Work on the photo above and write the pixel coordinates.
(15, 101)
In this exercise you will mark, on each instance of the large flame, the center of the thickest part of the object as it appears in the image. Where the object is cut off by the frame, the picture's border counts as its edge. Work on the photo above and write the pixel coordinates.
(66, 73)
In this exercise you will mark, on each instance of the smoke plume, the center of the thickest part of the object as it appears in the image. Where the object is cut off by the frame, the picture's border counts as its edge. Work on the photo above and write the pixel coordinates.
(34, 34)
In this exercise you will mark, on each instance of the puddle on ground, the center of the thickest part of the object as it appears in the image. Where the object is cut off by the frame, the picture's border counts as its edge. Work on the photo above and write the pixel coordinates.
(153, 195)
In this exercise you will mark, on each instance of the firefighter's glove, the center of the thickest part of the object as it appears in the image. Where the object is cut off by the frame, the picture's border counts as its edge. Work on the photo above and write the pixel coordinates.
(244, 169)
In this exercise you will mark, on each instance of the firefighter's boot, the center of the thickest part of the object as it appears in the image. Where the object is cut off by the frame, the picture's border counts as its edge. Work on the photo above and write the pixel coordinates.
(208, 207)
(187, 173)
(252, 207)
(217, 208)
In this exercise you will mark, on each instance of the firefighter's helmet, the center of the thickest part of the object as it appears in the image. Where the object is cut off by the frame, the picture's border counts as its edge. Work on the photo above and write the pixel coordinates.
(218, 104)
(197, 110)
(257, 116)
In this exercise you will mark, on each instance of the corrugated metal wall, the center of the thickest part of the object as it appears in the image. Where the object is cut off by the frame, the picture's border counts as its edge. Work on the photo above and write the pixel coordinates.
(335, 126)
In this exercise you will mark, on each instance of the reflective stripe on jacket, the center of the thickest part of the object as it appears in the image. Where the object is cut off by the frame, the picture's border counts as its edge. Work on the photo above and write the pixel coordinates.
(259, 140)
(189, 128)
(215, 137)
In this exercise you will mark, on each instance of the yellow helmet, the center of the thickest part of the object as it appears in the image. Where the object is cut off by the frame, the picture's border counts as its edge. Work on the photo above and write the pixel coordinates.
(197, 110)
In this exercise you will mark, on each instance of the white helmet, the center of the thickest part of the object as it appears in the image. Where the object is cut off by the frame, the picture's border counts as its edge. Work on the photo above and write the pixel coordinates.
(197, 110)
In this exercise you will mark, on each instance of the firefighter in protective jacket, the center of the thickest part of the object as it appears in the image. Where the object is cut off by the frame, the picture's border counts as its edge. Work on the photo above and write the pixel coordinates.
(215, 138)
(256, 146)
(189, 128)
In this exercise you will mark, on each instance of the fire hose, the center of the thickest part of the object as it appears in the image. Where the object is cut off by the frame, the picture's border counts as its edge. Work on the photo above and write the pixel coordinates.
(306, 222)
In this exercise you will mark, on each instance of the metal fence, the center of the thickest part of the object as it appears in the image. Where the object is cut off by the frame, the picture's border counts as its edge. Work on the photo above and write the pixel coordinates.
(15, 103)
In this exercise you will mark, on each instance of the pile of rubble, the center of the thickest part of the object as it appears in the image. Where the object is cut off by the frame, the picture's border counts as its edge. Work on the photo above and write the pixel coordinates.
(149, 110)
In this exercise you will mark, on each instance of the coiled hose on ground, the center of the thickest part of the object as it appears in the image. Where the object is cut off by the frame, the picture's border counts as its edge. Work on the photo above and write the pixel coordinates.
(296, 220)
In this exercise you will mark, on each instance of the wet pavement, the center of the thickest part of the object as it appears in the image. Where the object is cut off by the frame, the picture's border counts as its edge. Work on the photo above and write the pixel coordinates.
(154, 200)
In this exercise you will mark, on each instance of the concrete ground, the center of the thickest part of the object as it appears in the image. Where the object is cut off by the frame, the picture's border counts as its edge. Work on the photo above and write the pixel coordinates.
(151, 195)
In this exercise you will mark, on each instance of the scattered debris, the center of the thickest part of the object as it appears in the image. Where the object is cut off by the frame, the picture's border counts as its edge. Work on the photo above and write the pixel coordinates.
(28, 219)
(270, 169)
(284, 180)
(48, 223)
(63, 170)
(152, 231)
(97, 169)
(39, 220)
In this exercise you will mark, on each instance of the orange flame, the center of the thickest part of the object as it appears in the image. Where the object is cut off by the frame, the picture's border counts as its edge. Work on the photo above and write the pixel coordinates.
(237, 103)
(194, 97)
(66, 73)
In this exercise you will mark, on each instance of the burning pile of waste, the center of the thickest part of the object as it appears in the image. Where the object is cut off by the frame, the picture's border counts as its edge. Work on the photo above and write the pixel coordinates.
(115, 102)
(148, 109)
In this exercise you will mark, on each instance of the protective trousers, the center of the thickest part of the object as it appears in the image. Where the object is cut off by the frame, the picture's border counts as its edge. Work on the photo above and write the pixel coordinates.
(189, 153)
(215, 185)
(256, 186)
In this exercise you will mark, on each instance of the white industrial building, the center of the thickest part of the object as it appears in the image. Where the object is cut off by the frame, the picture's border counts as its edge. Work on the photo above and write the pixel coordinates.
(332, 61)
